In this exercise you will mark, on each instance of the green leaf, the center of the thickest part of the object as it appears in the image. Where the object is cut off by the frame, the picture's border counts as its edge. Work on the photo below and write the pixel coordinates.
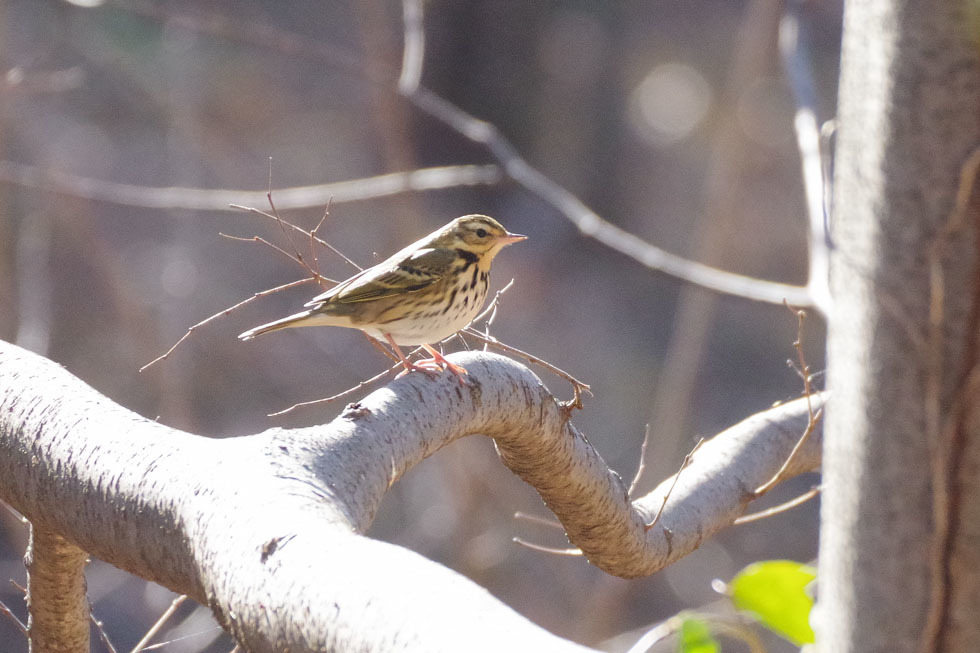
(695, 637)
(776, 592)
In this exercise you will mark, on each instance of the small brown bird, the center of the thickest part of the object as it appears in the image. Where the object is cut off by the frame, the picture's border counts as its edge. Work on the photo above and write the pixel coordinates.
(420, 295)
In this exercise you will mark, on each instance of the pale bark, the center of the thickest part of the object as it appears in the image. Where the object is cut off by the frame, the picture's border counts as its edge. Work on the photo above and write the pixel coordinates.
(900, 530)
(266, 528)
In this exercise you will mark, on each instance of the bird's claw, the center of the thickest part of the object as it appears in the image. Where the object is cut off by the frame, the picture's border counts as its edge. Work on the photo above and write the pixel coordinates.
(435, 367)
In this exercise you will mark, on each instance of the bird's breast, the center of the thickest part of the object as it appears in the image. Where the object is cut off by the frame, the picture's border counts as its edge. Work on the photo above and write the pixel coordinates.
(451, 307)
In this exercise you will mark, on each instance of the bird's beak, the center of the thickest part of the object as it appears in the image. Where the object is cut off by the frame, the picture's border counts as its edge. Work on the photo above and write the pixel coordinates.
(511, 238)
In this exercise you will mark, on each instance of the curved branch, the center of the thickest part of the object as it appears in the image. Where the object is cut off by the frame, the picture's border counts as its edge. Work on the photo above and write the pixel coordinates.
(243, 524)
(592, 225)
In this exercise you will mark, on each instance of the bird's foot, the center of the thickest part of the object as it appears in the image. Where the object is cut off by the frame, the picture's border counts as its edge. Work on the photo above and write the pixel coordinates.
(435, 366)
(428, 366)
(440, 361)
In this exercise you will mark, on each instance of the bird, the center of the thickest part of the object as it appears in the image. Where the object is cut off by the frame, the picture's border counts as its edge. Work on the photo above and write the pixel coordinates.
(420, 295)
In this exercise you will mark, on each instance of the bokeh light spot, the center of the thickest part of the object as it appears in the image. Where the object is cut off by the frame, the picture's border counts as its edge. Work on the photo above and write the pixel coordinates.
(669, 103)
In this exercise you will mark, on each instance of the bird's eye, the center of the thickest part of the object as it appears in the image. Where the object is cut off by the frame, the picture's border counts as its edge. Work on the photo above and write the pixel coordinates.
(481, 233)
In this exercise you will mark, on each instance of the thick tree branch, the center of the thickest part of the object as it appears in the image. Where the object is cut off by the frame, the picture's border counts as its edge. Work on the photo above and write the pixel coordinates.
(56, 594)
(265, 528)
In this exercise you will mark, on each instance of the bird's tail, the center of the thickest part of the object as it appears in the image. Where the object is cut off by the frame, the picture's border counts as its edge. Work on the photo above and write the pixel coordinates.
(299, 319)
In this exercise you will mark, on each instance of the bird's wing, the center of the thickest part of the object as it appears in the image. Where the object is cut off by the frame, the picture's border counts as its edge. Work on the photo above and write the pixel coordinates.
(392, 277)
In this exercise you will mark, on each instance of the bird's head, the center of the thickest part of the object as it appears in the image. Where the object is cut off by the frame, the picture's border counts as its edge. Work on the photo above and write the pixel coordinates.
(478, 234)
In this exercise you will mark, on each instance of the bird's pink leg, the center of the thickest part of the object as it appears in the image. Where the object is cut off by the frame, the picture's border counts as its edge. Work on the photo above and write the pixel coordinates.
(439, 359)
(434, 365)
(427, 366)
(407, 364)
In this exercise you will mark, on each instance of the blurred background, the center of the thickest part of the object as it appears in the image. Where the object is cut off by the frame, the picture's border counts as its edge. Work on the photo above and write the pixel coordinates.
(671, 120)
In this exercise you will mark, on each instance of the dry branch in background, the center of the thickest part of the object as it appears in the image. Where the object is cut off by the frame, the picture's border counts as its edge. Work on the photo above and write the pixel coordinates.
(404, 83)
(209, 199)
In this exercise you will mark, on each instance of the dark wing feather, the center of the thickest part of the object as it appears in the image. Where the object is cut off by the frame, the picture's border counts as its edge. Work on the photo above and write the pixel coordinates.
(411, 274)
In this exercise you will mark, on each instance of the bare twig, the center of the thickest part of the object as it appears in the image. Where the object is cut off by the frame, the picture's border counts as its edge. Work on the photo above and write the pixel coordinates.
(206, 199)
(222, 313)
(547, 549)
(413, 55)
(642, 466)
(793, 47)
(340, 395)
(282, 227)
(296, 257)
(154, 647)
(551, 522)
(155, 628)
(313, 255)
(783, 507)
(810, 427)
(262, 241)
(578, 387)
(103, 635)
(10, 615)
(814, 418)
(735, 627)
(19, 517)
(492, 310)
(687, 461)
(462, 341)
(310, 234)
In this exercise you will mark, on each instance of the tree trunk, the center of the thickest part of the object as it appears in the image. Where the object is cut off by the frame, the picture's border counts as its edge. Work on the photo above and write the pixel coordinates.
(899, 567)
